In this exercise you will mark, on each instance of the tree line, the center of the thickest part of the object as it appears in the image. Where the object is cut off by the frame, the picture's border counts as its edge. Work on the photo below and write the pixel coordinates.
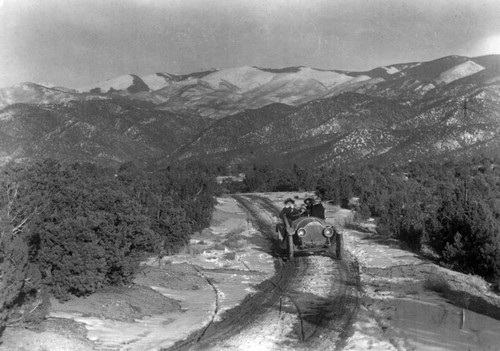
(451, 207)
(69, 229)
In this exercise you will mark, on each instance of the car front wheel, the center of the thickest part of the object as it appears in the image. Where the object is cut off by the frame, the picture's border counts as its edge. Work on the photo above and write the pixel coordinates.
(289, 247)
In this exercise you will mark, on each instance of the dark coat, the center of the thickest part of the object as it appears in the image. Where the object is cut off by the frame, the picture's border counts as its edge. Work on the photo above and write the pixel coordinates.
(316, 210)
(290, 213)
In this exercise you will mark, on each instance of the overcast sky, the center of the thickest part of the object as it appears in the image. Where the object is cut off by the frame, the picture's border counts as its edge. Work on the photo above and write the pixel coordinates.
(74, 43)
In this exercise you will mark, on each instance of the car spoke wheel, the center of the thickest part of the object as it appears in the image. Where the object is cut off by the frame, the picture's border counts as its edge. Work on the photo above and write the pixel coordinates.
(339, 246)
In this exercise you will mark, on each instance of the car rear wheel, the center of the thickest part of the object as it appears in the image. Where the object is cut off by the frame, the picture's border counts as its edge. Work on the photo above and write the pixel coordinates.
(339, 246)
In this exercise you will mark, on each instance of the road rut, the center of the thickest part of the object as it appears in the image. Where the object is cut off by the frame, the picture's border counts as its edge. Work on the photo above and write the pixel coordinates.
(310, 302)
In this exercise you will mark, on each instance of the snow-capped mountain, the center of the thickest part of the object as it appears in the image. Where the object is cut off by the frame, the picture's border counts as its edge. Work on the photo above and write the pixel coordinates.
(225, 92)
(295, 114)
(33, 93)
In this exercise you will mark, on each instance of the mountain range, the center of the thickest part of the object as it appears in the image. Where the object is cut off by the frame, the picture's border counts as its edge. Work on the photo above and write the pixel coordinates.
(447, 107)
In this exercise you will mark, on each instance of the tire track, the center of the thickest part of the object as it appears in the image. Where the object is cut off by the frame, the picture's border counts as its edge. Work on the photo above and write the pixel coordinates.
(216, 308)
(252, 307)
(310, 302)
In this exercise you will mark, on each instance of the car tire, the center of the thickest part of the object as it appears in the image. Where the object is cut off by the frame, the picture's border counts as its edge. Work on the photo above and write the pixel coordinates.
(339, 246)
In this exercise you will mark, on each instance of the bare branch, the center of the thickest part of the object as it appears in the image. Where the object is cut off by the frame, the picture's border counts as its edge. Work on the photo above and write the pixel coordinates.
(11, 195)
(18, 228)
(36, 306)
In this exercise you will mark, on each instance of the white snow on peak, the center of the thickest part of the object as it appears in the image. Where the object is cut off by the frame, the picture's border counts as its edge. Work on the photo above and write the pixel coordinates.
(155, 81)
(391, 70)
(23, 86)
(45, 84)
(462, 70)
(119, 83)
(327, 78)
(246, 77)
(362, 78)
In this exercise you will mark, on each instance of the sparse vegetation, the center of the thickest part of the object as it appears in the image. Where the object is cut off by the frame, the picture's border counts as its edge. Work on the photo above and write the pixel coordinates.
(233, 241)
(437, 283)
(230, 256)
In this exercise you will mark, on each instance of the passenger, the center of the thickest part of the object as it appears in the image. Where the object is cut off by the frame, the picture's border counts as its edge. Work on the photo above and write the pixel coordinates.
(315, 207)
(308, 205)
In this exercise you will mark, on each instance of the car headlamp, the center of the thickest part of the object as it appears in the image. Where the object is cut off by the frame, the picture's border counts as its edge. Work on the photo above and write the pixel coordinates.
(328, 232)
(301, 232)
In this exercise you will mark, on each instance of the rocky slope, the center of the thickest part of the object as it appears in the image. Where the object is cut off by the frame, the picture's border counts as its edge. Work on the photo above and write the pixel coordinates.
(356, 127)
(105, 131)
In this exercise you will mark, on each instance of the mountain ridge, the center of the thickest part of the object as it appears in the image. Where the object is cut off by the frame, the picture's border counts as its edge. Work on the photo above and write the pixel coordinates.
(295, 114)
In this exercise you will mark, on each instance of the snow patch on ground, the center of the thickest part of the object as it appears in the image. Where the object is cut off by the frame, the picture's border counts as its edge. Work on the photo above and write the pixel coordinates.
(367, 335)
(150, 333)
(263, 335)
(400, 314)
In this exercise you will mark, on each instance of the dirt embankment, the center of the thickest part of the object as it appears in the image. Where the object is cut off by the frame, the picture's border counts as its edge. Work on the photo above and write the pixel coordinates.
(168, 300)
(409, 303)
(61, 332)
(125, 304)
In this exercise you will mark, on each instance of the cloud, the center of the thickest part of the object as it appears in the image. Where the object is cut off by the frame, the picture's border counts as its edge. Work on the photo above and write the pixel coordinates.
(488, 45)
(77, 42)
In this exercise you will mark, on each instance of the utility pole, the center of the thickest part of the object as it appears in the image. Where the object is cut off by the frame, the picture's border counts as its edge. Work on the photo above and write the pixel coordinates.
(466, 155)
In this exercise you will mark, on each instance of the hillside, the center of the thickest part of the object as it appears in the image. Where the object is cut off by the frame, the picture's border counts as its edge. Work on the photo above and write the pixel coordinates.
(355, 127)
(103, 131)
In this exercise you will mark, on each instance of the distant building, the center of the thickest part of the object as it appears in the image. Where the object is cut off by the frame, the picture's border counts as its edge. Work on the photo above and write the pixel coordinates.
(239, 178)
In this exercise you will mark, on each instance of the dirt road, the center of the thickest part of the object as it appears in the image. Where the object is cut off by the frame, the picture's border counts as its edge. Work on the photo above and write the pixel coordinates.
(310, 302)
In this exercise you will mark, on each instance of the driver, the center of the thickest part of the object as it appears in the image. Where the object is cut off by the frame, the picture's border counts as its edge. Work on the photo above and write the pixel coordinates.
(288, 214)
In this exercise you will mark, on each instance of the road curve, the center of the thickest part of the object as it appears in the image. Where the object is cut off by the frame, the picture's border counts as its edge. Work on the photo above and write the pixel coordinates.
(310, 303)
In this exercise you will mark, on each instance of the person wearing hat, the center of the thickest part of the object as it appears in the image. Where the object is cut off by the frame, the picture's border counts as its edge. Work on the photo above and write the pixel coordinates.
(288, 214)
(308, 203)
(314, 207)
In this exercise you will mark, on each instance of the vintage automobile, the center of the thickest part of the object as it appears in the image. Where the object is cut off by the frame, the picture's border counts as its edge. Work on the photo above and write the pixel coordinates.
(315, 235)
